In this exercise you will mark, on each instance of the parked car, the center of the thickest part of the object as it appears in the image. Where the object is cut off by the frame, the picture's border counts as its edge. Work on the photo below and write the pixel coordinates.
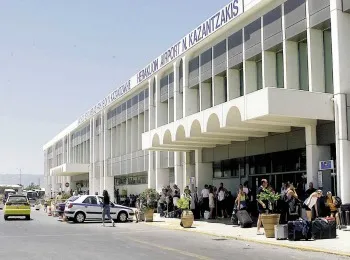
(89, 207)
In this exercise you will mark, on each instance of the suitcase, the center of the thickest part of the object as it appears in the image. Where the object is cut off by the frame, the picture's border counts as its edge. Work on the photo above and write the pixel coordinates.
(344, 215)
(234, 218)
(281, 232)
(299, 230)
(323, 228)
(244, 219)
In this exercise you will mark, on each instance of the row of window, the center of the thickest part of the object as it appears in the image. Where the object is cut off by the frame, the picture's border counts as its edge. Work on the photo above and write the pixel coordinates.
(128, 104)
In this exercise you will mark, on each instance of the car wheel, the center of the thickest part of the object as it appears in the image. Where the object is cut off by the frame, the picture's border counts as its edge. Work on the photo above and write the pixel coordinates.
(79, 217)
(6, 217)
(28, 217)
(122, 216)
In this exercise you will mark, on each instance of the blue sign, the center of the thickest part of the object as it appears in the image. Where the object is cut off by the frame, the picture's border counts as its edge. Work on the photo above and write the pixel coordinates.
(326, 165)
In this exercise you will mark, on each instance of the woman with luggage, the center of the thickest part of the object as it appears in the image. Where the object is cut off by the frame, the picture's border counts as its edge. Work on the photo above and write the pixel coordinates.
(241, 200)
(292, 200)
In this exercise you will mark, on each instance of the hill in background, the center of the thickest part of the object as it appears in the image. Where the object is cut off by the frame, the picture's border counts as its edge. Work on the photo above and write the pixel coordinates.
(27, 179)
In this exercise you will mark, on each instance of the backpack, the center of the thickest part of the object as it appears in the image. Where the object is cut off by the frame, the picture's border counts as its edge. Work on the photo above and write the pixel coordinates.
(337, 201)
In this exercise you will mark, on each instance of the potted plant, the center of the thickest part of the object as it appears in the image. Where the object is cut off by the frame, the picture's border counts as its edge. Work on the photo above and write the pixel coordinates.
(148, 201)
(270, 219)
(186, 215)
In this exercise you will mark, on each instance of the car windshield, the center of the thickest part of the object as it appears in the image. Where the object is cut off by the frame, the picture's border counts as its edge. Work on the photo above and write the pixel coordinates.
(73, 198)
(17, 199)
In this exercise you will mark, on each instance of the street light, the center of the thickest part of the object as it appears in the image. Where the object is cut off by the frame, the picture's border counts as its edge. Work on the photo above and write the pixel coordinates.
(20, 176)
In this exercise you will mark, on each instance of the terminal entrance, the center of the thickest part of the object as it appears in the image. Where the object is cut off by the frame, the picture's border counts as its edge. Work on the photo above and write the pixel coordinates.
(297, 178)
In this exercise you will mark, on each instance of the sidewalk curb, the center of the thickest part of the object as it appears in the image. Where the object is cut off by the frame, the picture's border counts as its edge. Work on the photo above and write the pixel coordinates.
(301, 248)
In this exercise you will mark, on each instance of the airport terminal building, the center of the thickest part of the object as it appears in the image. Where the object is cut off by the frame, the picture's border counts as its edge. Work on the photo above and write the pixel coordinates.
(259, 90)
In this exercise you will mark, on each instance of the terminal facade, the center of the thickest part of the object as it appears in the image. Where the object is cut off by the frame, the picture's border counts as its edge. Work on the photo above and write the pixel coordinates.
(259, 90)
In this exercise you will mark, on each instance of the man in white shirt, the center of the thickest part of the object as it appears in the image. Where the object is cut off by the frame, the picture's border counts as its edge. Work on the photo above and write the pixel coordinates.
(205, 199)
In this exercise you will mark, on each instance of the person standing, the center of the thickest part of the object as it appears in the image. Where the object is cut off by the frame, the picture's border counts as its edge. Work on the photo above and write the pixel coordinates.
(106, 208)
(262, 204)
(205, 199)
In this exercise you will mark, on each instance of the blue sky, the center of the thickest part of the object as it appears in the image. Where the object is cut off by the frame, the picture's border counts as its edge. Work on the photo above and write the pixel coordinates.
(58, 58)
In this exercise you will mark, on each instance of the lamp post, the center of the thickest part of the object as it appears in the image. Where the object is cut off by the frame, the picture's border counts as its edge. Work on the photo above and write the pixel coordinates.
(20, 176)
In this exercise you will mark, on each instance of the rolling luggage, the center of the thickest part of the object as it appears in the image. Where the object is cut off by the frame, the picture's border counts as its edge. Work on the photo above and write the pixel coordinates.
(344, 215)
(299, 230)
(244, 219)
(281, 232)
(323, 228)
(234, 218)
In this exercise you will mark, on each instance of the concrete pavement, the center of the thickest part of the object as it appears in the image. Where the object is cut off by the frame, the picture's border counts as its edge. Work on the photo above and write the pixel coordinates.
(224, 228)
(47, 238)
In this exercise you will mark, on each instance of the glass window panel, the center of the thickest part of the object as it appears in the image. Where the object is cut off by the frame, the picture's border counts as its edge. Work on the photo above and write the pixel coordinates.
(241, 83)
(328, 63)
(217, 173)
(259, 76)
(280, 70)
(303, 66)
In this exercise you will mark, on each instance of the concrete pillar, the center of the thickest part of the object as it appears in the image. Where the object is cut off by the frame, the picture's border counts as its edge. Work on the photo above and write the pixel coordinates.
(151, 170)
(341, 77)
(178, 97)
(314, 154)
(233, 84)
(178, 170)
(151, 106)
(219, 91)
(291, 65)
(162, 174)
(250, 76)
(316, 60)
(188, 169)
(190, 100)
(269, 69)
(161, 108)
(203, 171)
(205, 91)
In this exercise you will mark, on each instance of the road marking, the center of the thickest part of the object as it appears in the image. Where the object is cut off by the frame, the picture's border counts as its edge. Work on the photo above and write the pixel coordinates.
(172, 249)
(83, 234)
(63, 235)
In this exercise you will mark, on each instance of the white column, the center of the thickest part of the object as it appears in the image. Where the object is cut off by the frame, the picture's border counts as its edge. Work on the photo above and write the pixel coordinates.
(291, 65)
(250, 76)
(269, 69)
(203, 171)
(314, 154)
(316, 60)
(205, 91)
(218, 90)
(233, 84)
(178, 170)
(151, 106)
(161, 108)
(190, 101)
(188, 170)
(341, 77)
(151, 170)
(178, 97)
(162, 175)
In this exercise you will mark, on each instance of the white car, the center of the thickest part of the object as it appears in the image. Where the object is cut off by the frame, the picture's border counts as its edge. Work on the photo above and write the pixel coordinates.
(89, 207)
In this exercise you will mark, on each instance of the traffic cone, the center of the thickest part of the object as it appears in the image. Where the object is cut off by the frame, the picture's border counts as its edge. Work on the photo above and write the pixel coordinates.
(49, 213)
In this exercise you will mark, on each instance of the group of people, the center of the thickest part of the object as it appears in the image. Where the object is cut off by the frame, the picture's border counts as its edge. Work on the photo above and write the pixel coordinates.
(293, 203)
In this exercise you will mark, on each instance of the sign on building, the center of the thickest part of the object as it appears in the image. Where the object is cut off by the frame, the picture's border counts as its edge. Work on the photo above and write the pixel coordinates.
(326, 165)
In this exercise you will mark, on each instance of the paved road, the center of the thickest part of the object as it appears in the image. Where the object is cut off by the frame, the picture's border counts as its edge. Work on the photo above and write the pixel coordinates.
(47, 238)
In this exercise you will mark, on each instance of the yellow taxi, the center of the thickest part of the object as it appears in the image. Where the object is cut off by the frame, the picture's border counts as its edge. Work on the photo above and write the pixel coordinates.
(17, 206)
